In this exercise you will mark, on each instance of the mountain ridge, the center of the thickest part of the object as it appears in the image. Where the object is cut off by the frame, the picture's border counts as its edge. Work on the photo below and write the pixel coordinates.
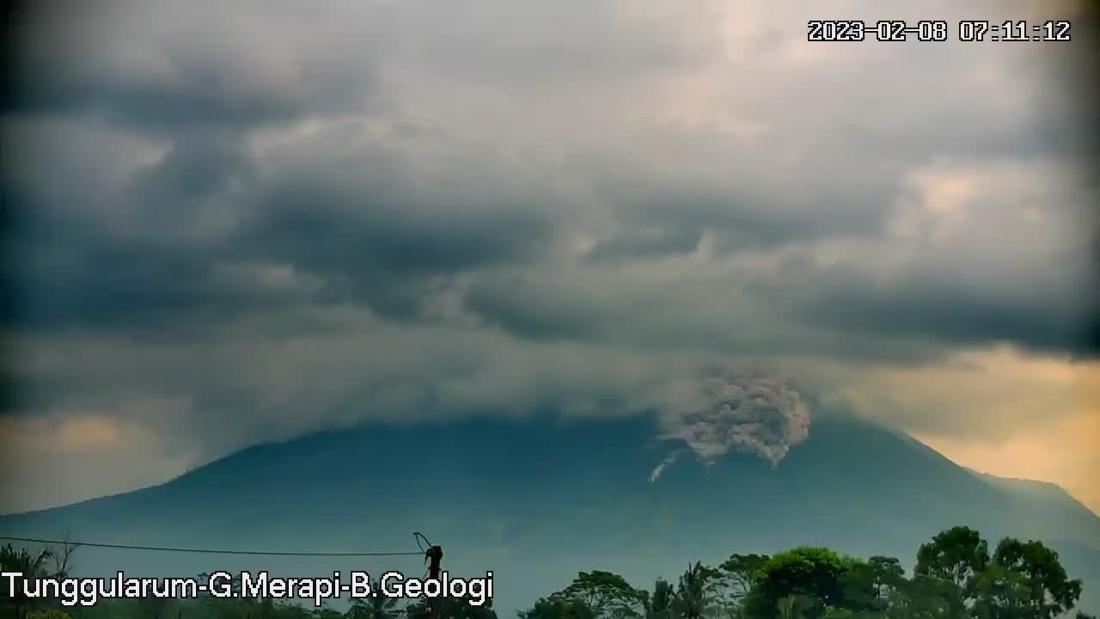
(536, 500)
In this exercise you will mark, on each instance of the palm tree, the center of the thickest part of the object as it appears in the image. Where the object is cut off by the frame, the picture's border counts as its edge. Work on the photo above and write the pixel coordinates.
(696, 591)
(29, 565)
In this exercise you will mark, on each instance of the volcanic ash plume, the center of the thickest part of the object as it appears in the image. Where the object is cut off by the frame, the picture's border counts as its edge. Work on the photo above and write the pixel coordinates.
(755, 414)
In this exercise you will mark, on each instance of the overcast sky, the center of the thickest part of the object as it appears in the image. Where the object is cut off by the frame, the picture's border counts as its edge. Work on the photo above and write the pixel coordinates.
(237, 222)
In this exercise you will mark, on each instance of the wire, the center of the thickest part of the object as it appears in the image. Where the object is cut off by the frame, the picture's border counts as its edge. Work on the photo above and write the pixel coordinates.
(417, 535)
(212, 551)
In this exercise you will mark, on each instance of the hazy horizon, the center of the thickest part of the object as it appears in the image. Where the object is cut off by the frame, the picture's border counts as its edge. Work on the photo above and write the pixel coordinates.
(670, 448)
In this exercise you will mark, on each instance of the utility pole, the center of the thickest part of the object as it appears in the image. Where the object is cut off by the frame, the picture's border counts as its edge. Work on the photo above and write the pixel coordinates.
(434, 555)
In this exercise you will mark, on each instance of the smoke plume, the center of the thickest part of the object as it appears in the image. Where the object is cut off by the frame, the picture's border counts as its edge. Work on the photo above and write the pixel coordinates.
(749, 413)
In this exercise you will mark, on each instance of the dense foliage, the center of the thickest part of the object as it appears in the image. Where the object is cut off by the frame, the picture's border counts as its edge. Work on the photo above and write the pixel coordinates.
(955, 577)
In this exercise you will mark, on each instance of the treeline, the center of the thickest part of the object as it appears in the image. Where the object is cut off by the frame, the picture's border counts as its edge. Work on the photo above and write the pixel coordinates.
(956, 576)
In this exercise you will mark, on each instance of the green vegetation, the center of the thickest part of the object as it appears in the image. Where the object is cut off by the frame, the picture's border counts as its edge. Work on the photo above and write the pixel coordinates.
(955, 577)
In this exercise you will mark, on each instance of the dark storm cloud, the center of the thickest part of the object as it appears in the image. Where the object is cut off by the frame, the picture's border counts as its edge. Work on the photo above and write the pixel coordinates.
(366, 216)
(677, 223)
(197, 100)
(643, 241)
(806, 310)
(89, 279)
(1036, 317)
(527, 311)
(356, 231)
(196, 167)
(179, 68)
(216, 226)
(379, 247)
(126, 259)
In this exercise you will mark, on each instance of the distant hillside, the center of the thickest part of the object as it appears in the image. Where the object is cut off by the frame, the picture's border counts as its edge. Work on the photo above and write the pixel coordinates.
(537, 500)
(1031, 489)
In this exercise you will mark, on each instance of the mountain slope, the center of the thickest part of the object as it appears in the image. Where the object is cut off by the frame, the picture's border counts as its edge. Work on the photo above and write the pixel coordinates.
(535, 501)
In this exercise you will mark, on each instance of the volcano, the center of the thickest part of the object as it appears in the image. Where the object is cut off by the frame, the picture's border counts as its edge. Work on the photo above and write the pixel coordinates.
(536, 500)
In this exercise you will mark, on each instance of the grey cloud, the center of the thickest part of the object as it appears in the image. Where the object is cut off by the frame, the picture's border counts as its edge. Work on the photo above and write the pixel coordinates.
(802, 309)
(196, 167)
(734, 313)
(528, 312)
(340, 241)
(386, 217)
(349, 229)
(374, 229)
(171, 248)
(677, 224)
(1038, 317)
(182, 66)
(132, 258)
(641, 241)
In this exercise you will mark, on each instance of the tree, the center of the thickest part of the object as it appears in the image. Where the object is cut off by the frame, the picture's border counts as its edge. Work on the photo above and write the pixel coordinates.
(377, 606)
(30, 565)
(739, 574)
(452, 608)
(806, 575)
(607, 594)
(877, 585)
(798, 607)
(592, 594)
(61, 558)
(957, 555)
(926, 597)
(661, 602)
(696, 591)
(558, 607)
(955, 578)
(1025, 579)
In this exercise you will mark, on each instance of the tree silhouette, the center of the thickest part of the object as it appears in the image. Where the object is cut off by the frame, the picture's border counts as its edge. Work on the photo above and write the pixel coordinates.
(955, 578)
(739, 573)
(607, 594)
(661, 601)
(957, 555)
(1025, 579)
(30, 565)
(696, 592)
(805, 572)
(377, 606)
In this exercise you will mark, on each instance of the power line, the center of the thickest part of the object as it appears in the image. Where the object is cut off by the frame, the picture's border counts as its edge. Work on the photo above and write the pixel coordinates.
(213, 551)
